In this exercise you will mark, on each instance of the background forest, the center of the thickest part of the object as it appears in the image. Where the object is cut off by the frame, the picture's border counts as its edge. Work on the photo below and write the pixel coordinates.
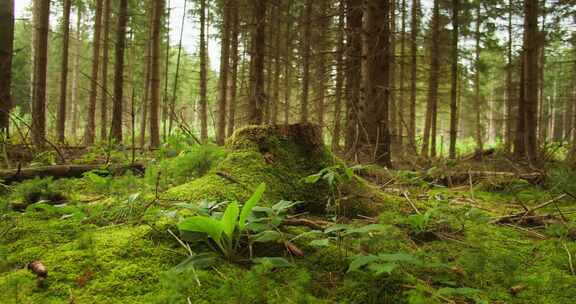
(288, 151)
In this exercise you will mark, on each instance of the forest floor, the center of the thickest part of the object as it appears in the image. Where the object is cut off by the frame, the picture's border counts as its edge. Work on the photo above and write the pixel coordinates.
(107, 239)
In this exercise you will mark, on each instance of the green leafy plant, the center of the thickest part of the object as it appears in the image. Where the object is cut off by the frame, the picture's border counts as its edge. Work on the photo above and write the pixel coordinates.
(226, 231)
(382, 263)
(419, 222)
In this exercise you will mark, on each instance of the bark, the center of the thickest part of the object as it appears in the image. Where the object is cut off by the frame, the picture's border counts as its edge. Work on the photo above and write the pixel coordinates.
(117, 111)
(393, 113)
(477, 98)
(224, 73)
(288, 64)
(339, 78)
(307, 36)
(234, 58)
(61, 116)
(177, 74)
(572, 155)
(454, 80)
(147, 77)
(415, 28)
(91, 113)
(275, 100)
(158, 10)
(531, 49)
(42, 20)
(62, 171)
(76, 73)
(376, 79)
(401, 96)
(6, 49)
(322, 78)
(520, 138)
(203, 104)
(354, 16)
(509, 101)
(105, 59)
(428, 144)
(257, 95)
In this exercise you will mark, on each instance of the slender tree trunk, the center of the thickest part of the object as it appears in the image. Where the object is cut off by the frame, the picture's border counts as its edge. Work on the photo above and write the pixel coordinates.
(520, 138)
(76, 73)
(477, 98)
(306, 61)
(572, 154)
(339, 77)
(401, 97)
(376, 78)
(454, 80)
(509, 102)
(147, 78)
(393, 113)
(541, 131)
(166, 97)
(427, 143)
(415, 28)
(354, 15)
(42, 21)
(257, 95)
(91, 113)
(203, 105)
(158, 11)
(288, 63)
(117, 111)
(6, 49)
(531, 49)
(105, 59)
(224, 73)
(322, 77)
(275, 100)
(234, 58)
(61, 115)
(174, 99)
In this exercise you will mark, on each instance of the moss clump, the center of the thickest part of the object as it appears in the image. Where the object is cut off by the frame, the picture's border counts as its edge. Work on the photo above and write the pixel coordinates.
(278, 156)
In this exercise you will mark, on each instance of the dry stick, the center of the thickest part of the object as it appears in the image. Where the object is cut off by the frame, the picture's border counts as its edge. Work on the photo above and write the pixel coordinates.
(44, 138)
(534, 233)
(569, 259)
(523, 215)
(411, 203)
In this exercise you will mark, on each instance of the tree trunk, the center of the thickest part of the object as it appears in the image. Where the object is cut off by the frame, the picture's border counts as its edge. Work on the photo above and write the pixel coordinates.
(203, 105)
(257, 95)
(224, 73)
(376, 79)
(477, 98)
(117, 111)
(61, 115)
(429, 126)
(354, 15)
(91, 113)
(572, 155)
(402, 87)
(393, 113)
(42, 22)
(322, 78)
(339, 77)
(454, 80)
(288, 63)
(234, 58)
(531, 48)
(147, 79)
(76, 74)
(509, 102)
(520, 138)
(306, 61)
(415, 28)
(6, 49)
(158, 11)
(105, 59)
(275, 100)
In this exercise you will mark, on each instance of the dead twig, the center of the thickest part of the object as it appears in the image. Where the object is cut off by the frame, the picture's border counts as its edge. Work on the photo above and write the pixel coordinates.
(411, 203)
(569, 259)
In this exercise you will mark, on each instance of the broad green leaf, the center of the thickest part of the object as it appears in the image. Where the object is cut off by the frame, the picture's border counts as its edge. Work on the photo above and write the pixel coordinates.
(367, 229)
(360, 261)
(312, 179)
(199, 261)
(229, 219)
(320, 243)
(267, 236)
(250, 203)
(379, 269)
(330, 177)
(336, 227)
(284, 205)
(274, 262)
(213, 228)
(400, 257)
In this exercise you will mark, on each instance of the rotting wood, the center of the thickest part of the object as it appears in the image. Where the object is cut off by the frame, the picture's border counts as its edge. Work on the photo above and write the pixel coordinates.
(64, 171)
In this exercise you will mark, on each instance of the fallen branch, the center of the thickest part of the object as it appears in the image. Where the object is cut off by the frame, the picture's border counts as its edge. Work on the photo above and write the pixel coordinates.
(63, 171)
(314, 224)
(462, 178)
(528, 214)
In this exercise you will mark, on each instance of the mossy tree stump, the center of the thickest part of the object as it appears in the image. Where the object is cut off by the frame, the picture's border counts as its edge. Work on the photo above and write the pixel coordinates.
(279, 156)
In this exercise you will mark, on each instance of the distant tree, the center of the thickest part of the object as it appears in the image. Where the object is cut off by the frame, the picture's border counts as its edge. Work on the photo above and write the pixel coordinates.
(454, 80)
(158, 10)
(91, 113)
(224, 72)
(105, 59)
(116, 132)
(257, 95)
(414, 30)
(307, 36)
(41, 22)
(428, 139)
(234, 61)
(61, 115)
(6, 49)
(354, 14)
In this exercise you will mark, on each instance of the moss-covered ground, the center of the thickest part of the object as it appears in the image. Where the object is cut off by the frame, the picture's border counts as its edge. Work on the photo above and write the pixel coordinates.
(109, 241)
